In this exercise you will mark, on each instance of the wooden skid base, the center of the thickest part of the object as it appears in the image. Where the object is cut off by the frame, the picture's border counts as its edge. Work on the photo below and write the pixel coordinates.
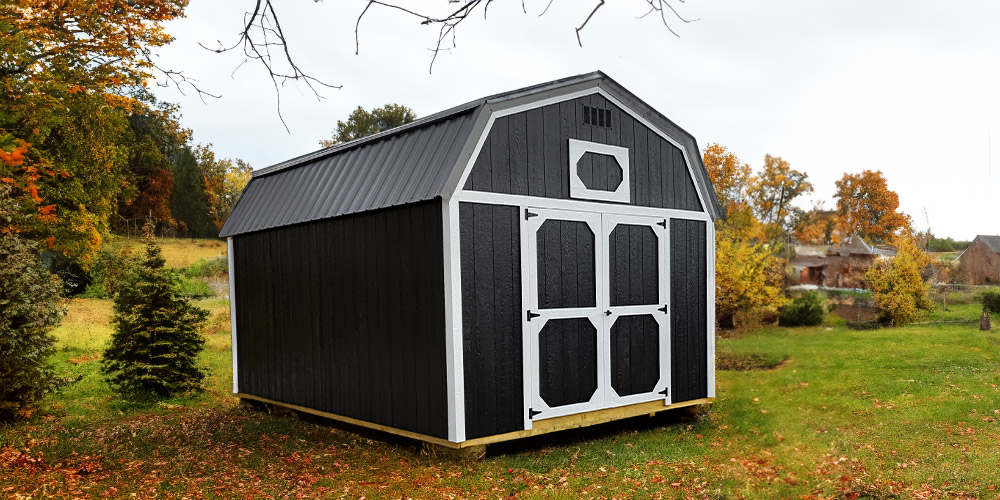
(477, 445)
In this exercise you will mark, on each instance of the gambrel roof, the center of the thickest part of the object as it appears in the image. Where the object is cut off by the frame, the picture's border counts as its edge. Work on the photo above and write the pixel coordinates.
(416, 162)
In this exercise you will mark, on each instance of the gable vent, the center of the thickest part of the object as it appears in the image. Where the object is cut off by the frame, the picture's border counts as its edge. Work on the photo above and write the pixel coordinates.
(597, 117)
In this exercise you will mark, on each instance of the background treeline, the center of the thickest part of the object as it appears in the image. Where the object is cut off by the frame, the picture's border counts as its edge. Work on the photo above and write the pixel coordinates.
(85, 148)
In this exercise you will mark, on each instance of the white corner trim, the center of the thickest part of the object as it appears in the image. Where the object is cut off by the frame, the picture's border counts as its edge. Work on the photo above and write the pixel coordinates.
(453, 320)
(710, 286)
(577, 189)
(232, 312)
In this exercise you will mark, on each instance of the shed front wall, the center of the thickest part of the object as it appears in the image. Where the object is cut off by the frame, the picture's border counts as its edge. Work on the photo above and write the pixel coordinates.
(492, 308)
(346, 316)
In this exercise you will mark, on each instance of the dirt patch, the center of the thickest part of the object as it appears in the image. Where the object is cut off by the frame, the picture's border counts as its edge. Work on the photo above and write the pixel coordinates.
(747, 361)
(86, 358)
(857, 313)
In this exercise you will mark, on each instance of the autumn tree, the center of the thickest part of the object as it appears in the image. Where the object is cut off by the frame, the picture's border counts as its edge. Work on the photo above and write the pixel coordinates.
(224, 181)
(154, 144)
(867, 207)
(362, 123)
(815, 226)
(772, 191)
(730, 176)
(897, 287)
(70, 73)
(748, 276)
(748, 282)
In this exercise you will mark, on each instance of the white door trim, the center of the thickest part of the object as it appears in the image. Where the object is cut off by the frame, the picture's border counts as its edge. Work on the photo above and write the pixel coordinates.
(577, 205)
(535, 325)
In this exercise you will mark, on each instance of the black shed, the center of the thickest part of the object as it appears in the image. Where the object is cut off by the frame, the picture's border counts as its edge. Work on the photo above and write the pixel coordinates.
(527, 262)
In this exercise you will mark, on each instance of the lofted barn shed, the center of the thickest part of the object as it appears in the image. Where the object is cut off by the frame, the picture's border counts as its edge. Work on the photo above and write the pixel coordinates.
(527, 262)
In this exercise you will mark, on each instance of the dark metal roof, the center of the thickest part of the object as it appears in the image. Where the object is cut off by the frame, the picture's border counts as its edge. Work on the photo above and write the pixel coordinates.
(389, 170)
(407, 164)
(992, 242)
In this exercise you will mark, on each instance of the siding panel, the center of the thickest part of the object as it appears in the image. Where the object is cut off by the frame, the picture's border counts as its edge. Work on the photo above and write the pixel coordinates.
(688, 310)
(491, 318)
(372, 348)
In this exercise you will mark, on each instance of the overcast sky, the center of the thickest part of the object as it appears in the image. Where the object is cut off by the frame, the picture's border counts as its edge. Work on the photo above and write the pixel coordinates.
(908, 88)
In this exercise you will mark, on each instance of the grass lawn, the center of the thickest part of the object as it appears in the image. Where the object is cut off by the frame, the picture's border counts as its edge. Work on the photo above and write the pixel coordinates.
(896, 413)
(182, 252)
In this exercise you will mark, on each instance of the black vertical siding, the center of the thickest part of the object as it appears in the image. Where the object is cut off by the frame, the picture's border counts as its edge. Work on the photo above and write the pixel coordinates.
(527, 153)
(688, 310)
(346, 316)
(491, 318)
(635, 354)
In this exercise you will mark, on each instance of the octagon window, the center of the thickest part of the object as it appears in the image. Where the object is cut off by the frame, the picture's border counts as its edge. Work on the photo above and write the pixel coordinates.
(598, 171)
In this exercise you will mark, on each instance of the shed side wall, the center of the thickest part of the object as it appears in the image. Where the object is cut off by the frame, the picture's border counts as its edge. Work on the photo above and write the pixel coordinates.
(491, 318)
(346, 316)
(527, 153)
(688, 310)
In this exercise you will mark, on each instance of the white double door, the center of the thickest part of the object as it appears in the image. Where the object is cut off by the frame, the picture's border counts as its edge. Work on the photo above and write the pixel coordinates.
(597, 327)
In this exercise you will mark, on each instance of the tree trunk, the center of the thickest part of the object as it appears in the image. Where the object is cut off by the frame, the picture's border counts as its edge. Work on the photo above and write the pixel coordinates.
(984, 321)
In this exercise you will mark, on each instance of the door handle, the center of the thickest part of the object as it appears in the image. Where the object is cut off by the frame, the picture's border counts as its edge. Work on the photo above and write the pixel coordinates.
(608, 312)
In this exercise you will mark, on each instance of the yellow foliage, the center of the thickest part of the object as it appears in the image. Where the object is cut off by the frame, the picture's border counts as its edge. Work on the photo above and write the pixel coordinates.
(728, 174)
(748, 278)
(897, 287)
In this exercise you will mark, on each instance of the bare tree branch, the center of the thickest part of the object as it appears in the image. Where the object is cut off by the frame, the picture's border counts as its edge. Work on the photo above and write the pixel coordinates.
(600, 3)
(262, 31)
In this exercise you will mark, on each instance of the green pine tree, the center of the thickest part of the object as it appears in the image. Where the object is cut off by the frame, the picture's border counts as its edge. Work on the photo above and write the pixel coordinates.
(157, 337)
(29, 307)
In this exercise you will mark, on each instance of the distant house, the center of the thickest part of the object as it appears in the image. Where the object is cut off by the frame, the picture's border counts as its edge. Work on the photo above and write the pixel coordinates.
(981, 261)
(843, 266)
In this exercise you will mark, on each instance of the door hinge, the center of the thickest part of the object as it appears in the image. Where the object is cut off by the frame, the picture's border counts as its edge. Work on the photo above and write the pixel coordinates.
(664, 309)
(532, 413)
(665, 392)
(529, 214)
(662, 223)
(532, 315)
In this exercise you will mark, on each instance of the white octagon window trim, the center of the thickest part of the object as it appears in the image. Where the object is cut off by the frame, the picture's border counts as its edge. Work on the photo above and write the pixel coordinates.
(577, 189)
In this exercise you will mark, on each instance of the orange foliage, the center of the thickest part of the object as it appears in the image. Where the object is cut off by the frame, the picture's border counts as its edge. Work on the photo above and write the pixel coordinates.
(815, 226)
(728, 174)
(867, 207)
(16, 157)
